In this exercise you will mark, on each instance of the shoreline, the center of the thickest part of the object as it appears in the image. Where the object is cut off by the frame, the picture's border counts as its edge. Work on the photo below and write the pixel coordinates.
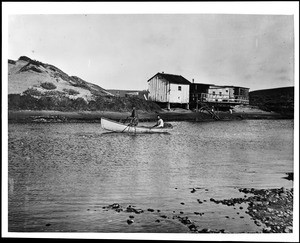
(52, 116)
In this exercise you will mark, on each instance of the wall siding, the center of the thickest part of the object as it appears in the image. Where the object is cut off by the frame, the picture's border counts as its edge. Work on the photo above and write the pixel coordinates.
(158, 89)
(177, 96)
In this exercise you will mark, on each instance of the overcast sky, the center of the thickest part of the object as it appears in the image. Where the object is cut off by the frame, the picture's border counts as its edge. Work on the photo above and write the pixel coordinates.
(122, 51)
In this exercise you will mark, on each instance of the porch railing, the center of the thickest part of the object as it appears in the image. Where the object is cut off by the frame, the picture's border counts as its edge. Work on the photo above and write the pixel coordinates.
(239, 99)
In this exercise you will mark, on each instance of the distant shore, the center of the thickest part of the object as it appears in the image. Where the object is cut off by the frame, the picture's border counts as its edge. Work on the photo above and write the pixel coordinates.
(28, 116)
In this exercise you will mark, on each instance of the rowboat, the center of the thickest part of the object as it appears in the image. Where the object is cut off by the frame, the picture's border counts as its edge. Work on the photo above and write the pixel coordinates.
(125, 128)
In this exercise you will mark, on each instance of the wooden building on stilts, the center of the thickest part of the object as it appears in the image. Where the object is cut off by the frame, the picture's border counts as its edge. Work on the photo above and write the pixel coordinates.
(169, 90)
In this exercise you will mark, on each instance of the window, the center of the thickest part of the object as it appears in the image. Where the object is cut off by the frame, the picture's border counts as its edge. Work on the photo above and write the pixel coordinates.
(214, 92)
(179, 88)
(220, 93)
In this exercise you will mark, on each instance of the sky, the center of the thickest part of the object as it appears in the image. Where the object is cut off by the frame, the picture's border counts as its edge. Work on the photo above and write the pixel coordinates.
(123, 51)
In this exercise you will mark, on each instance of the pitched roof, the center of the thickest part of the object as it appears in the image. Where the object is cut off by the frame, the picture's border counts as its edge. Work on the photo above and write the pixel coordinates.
(172, 78)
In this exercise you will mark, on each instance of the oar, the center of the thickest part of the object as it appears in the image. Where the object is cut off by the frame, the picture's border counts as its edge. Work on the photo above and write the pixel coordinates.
(125, 127)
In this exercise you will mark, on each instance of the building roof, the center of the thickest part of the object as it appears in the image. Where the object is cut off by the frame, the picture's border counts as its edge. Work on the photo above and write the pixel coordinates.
(172, 78)
(222, 86)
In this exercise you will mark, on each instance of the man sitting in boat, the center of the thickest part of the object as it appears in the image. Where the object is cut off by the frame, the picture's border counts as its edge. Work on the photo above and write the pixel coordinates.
(134, 120)
(159, 123)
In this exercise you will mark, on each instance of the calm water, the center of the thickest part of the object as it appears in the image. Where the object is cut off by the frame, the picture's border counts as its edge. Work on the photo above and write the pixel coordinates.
(63, 174)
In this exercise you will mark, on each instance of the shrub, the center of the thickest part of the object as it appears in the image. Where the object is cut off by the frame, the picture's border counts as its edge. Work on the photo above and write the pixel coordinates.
(71, 91)
(11, 61)
(79, 104)
(54, 92)
(29, 67)
(24, 58)
(48, 85)
(14, 101)
(32, 92)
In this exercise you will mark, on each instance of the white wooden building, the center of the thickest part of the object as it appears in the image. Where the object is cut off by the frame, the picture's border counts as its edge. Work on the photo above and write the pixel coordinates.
(169, 89)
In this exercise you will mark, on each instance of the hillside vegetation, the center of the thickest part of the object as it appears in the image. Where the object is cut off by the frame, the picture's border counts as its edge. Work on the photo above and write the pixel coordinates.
(33, 85)
(280, 100)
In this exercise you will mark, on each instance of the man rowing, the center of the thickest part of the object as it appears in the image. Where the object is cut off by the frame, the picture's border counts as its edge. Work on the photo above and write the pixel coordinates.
(159, 123)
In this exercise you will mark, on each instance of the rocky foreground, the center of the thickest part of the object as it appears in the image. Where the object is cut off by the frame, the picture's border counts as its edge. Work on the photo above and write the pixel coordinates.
(272, 209)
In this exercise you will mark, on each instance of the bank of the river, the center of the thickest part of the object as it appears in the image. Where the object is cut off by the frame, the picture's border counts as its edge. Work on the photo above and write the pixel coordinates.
(25, 116)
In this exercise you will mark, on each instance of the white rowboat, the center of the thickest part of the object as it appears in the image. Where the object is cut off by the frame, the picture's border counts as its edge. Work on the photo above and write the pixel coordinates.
(125, 128)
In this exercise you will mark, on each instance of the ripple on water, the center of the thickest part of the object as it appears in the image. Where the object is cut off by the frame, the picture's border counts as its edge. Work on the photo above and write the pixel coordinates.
(56, 172)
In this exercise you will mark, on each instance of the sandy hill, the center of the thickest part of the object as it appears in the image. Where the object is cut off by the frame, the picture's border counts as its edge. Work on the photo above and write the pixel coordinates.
(33, 85)
(27, 76)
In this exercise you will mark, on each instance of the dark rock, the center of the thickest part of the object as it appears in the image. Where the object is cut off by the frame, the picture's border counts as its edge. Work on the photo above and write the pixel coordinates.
(48, 224)
(290, 176)
(182, 203)
(129, 221)
(288, 229)
(163, 216)
(114, 206)
(133, 210)
(130, 210)
(150, 210)
(157, 220)
(267, 230)
(181, 212)
(138, 211)
(192, 227)
(185, 220)
(257, 222)
(131, 216)
(193, 190)
(205, 230)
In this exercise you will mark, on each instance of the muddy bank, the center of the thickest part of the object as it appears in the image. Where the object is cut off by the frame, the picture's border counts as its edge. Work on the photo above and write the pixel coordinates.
(28, 116)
